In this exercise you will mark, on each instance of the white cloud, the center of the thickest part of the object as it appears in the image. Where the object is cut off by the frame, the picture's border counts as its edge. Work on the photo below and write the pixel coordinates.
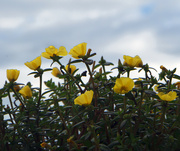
(134, 43)
(11, 23)
(113, 28)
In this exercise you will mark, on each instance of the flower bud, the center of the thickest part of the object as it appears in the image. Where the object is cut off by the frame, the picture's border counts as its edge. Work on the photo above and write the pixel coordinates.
(70, 68)
(163, 68)
(12, 74)
(26, 92)
(56, 72)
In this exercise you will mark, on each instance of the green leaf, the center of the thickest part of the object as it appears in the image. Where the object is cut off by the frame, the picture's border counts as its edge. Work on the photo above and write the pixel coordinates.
(75, 61)
(103, 147)
(48, 69)
(87, 135)
(157, 104)
(114, 143)
(123, 123)
(48, 114)
(78, 124)
(176, 76)
(150, 92)
(33, 73)
(89, 62)
(96, 66)
(108, 63)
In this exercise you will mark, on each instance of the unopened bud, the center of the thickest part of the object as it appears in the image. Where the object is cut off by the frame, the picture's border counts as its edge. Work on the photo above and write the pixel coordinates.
(89, 52)
(100, 70)
(177, 85)
(163, 68)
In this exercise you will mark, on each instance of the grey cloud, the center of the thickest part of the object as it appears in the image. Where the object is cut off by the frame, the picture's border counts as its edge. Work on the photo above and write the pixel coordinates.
(70, 23)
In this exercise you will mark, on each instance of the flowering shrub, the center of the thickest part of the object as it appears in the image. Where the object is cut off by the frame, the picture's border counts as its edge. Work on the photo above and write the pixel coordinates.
(106, 113)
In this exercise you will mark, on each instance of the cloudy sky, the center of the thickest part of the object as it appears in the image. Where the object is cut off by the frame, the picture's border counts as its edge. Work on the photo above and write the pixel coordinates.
(112, 28)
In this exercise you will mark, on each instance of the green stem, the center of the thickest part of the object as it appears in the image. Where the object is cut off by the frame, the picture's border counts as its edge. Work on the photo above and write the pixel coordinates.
(163, 115)
(18, 98)
(106, 129)
(178, 107)
(10, 100)
(169, 83)
(37, 139)
(146, 75)
(104, 71)
(92, 81)
(70, 75)
(61, 116)
(128, 73)
(124, 101)
(40, 91)
(97, 148)
(139, 114)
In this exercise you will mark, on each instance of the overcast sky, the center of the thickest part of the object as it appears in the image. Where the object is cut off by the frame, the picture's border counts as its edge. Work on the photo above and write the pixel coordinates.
(112, 28)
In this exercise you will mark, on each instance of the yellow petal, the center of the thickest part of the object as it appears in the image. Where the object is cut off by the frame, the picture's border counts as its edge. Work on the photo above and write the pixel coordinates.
(89, 96)
(35, 64)
(51, 50)
(84, 99)
(167, 97)
(74, 54)
(137, 61)
(71, 68)
(55, 72)
(156, 88)
(133, 61)
(26, 92)
(45, 55)
(12, 74)
(62, 51)
(79, 50)
(123, 85)
(116, 89)
(83, 48)
(80, 100)
(173, 95)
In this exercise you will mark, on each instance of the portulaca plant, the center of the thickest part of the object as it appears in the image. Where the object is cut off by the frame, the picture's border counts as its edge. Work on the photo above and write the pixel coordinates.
(107, 113)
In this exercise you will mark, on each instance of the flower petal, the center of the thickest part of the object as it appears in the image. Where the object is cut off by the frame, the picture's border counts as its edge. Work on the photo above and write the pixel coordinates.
(45, 55)
(35, 64)
(62, 51)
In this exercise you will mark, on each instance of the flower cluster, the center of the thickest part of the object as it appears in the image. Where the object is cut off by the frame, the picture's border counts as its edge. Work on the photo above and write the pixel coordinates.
(93, 109)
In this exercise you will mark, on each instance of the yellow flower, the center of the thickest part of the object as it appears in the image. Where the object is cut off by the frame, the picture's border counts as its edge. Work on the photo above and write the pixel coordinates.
(34, 64)
(69, 140)
(78, 51)
(168, 97)
(70, 68)
(123, 85)
(12, 74)
(156, 88)
(138, 84)
(45, 145)
(55, 72)
(177, 84)
(133, 61)
(84, 99)
(51, 51)
(26, 92)
(16, 88)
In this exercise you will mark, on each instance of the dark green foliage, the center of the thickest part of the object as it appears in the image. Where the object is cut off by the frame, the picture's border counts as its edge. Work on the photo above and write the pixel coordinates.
(137, 120)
